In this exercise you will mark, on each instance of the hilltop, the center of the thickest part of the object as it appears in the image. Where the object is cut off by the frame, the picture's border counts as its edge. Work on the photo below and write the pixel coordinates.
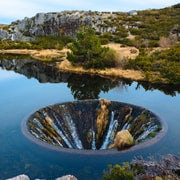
(149, 38)
(113, 26)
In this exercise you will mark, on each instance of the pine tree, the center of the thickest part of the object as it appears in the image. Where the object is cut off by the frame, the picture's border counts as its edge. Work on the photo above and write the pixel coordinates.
(86, 49)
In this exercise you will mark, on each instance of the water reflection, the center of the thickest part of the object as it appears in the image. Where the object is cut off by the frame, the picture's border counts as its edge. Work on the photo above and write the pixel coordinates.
(43, 72)
(168, 89)
(82, 86)
(8, 75)
(89, 87)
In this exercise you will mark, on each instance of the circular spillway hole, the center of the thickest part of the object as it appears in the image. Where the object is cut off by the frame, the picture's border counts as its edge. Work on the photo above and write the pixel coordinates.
(92, 125)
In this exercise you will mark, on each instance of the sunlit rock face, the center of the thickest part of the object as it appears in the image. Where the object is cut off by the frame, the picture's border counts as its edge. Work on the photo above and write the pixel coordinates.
(123, 140)
(92, 124)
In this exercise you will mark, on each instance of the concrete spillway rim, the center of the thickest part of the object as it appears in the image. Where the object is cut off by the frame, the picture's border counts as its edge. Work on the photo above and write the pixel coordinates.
(146, 143)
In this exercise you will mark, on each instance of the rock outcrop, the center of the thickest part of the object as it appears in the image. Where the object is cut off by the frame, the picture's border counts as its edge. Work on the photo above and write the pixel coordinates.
(123, 140)
(67, 177)
(167, 168)
(64, 23)
(20, 177)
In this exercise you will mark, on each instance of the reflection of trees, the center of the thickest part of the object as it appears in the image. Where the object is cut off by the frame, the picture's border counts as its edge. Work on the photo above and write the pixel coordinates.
(89, 87)
(82, 86)
(165, 88)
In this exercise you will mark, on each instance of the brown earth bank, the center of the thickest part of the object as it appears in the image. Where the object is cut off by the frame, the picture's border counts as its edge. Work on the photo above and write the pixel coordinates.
(66, 66)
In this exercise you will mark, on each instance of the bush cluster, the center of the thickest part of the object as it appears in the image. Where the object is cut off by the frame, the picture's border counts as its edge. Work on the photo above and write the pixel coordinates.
(166, 62)
(42, 42)
(86, 50)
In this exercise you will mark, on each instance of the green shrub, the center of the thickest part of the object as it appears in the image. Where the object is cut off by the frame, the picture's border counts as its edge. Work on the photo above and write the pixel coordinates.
(88, 52)
(110, 58)
(42, 42)
(165, 62)
(48, 42)
(118, 172)
(104, 40)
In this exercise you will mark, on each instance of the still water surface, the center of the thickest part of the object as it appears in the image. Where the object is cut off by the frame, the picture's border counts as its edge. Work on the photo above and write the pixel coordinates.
(23, 94)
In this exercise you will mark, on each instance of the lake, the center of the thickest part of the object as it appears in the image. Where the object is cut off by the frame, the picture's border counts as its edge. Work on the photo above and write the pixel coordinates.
(28, 85)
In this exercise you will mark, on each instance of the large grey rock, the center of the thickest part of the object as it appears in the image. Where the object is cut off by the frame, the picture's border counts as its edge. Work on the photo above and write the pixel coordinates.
(4, 34)
(66, 22)
(20, 177)
(39, 18)
(67, 177)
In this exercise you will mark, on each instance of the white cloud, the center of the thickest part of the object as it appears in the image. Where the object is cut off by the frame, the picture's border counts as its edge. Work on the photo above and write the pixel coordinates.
(18, 9)
(4, 75)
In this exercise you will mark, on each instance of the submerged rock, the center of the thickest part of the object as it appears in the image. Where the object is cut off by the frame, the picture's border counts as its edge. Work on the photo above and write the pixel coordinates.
(123, 140)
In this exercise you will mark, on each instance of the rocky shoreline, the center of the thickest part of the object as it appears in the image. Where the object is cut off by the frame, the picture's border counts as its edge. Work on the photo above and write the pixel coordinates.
(168, 167)
(134, 75)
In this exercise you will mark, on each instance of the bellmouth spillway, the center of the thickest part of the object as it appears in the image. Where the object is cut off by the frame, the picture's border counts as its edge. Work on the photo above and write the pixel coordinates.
(93, 125)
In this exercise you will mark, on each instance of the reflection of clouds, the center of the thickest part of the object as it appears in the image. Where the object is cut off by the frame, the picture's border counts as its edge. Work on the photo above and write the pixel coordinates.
(4, 75)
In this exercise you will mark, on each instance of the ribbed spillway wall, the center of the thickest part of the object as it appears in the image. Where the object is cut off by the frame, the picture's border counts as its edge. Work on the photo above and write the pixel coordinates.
(91, 124)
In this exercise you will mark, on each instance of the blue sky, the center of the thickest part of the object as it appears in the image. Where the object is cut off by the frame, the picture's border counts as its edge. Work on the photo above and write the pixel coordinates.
(11, 10)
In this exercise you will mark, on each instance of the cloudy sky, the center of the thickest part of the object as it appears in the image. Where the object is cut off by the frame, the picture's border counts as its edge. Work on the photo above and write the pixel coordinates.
(11, 10)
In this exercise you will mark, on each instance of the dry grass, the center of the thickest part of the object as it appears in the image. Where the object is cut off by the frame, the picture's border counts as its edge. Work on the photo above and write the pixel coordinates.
(44, 55)
(111, 72)
(124, 53)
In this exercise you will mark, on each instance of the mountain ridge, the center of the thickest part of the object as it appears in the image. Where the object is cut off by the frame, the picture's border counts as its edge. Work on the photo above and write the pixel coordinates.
(68, 22)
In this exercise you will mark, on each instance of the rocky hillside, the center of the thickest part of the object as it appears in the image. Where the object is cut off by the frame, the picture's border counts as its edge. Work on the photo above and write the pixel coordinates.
(115, 26)
(66, 23)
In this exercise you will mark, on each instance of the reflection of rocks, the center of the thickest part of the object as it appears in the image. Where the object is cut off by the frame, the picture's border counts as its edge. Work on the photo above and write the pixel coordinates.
(44, 72)
(93, 124)
(82, 86)
(123, 140)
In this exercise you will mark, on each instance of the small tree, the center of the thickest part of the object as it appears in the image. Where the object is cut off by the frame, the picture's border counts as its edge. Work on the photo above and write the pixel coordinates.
(118, 172)
(87, 50)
